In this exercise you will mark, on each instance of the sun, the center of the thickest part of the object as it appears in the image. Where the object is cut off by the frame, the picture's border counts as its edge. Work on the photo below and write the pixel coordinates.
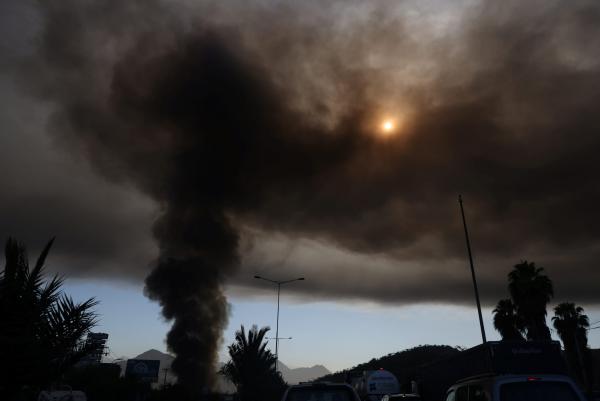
(388, 126)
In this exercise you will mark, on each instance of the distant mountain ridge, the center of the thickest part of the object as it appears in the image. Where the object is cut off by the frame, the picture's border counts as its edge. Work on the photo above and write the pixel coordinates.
(291, 376)
(297, 375)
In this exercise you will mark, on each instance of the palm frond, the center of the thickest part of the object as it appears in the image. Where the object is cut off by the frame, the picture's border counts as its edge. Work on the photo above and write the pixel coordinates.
(51, 291)
(49, 326)
(34, 277)
(13, 258)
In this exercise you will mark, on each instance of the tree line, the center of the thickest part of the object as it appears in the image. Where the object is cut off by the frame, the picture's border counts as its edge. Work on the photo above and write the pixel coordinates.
(42, 330)
(522, 317)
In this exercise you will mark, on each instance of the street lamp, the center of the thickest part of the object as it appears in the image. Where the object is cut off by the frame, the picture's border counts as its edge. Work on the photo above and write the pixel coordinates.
(279, 284)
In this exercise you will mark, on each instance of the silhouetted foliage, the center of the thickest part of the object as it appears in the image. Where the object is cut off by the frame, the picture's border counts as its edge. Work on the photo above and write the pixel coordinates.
(572, 324)
(43, 330)
(252, 367)
(530, 291)
(404, 364)
(507, 322)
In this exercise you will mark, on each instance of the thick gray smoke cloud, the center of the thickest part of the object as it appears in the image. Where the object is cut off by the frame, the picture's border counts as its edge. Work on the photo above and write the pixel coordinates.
(264, 118)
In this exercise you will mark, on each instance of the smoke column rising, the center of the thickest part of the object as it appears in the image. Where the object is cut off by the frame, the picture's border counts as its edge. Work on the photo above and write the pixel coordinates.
(203, 132)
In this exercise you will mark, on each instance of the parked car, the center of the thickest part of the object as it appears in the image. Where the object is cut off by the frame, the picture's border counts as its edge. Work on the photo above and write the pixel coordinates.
(62, 395)
(516, 388)
(320, 391)
(401, 397)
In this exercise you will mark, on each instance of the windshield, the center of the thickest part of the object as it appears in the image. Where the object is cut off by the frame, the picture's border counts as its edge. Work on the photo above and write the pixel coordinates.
(320, 394)
(538, 391)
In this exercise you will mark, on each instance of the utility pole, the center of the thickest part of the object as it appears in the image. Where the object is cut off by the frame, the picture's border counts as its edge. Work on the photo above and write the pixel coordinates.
(462, 212)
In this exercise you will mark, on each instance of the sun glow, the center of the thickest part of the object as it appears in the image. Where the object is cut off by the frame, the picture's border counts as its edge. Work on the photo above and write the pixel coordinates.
(388, 127)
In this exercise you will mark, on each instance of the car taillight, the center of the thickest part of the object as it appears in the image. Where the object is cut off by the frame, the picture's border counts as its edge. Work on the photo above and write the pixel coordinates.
(531, 379)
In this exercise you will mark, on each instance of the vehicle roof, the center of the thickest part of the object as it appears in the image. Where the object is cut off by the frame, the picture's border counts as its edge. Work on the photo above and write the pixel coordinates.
(323, 386)
(510, 377)
(319, 384)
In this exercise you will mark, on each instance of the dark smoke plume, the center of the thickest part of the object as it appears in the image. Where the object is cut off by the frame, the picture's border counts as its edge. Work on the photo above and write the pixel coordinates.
(203, 132)
(265, 116)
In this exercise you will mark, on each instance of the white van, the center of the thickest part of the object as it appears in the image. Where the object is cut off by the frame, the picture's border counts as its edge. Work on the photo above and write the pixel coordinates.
(515, 388)
(372, 385)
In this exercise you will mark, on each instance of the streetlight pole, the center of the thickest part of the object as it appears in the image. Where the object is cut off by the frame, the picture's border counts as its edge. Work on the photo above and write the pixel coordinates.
(279, 284)
(277, 328)
(460, 201)
(165, 379)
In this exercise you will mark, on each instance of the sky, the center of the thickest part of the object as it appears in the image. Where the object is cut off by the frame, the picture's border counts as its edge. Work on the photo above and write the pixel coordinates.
(176, 149)
(338, 335)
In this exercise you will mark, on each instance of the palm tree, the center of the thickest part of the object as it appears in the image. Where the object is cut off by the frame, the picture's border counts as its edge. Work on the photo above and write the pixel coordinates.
(507, 322)
(42, 331)
(531, 290)
(252, 367)
(572, 325)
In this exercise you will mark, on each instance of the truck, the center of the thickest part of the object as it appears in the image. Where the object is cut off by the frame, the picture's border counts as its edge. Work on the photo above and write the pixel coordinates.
(372, 385)
(500, 371)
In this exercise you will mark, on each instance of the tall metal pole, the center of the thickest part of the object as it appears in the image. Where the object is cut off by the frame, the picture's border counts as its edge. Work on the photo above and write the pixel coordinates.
(460, 201)
(277, 329)
(279, 283)
(165, 379)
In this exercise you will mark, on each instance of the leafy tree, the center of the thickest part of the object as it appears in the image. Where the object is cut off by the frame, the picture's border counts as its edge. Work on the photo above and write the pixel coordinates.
(571, 325)
(531, 290)
(507, 322)
(42, 330)
(252, 367)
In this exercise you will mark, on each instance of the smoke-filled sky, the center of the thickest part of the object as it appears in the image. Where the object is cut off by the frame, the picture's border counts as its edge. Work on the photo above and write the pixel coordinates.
(248, 135)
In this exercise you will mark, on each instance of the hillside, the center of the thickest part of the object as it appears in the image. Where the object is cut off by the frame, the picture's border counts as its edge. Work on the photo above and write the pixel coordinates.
(402, 364)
